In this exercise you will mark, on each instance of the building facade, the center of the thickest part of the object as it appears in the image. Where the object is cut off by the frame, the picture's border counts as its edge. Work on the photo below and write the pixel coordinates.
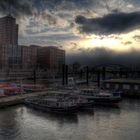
(16, 58)
(51, 58)
(10, 57)
(129, 87)
(29, 57)
(60, 59)
(10, 53)
(8, 31)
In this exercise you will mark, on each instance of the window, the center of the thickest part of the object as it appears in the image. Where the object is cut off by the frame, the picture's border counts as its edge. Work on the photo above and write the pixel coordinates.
(136, 87)
(125, 86)
(116, 86)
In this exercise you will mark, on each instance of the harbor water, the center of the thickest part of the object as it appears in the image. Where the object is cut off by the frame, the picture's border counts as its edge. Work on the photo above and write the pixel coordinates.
(98, 123)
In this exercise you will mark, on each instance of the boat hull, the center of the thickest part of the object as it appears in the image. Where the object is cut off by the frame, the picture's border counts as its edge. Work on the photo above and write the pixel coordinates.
(45, 108)
(90, 103)
(105, 100)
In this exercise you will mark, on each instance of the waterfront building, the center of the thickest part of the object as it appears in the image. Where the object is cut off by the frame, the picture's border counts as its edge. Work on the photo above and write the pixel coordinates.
(10, 57)
(15, 57)
(51, 58)
(29, 57)
(10, 53)
(20, 59)
(8, 31)
(127, 86)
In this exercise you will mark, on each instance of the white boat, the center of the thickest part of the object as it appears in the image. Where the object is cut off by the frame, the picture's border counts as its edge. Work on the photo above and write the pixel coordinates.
(101, 97)
(81, 102)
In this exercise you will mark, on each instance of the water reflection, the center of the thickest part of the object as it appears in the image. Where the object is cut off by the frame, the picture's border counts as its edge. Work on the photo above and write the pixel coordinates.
(61, 118)
(130, 104)
(86, 111)
(9, 126)
(116, 110)
(99, 123)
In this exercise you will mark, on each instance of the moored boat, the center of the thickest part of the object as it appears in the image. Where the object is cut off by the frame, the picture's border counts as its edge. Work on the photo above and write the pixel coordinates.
(9, 89)
(82, 102)
(99, 97)
(29, 88)
(56, 105)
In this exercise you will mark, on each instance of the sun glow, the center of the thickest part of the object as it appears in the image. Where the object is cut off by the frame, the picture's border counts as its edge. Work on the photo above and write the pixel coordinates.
(103, 42)
(110, 43)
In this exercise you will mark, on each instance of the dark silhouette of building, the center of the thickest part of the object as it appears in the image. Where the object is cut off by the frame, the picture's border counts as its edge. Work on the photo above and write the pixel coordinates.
(8, 31)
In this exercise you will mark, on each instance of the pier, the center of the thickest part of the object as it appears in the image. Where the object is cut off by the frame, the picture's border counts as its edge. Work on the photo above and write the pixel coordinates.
(18, 99)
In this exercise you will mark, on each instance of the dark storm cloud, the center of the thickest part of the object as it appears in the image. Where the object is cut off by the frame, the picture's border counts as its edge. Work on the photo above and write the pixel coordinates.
(99, 56)
(30, 7)
(113, 23)
(68, 4)
(16, 7)
(60, 37)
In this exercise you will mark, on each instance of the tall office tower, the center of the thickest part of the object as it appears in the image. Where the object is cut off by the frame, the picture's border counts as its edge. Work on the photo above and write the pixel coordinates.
(8, 31)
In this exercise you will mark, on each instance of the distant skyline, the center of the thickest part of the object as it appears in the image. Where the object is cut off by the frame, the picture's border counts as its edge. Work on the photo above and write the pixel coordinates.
(91, 31)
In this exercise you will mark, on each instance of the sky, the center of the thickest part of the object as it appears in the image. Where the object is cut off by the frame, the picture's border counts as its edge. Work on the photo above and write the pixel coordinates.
(91, 31)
